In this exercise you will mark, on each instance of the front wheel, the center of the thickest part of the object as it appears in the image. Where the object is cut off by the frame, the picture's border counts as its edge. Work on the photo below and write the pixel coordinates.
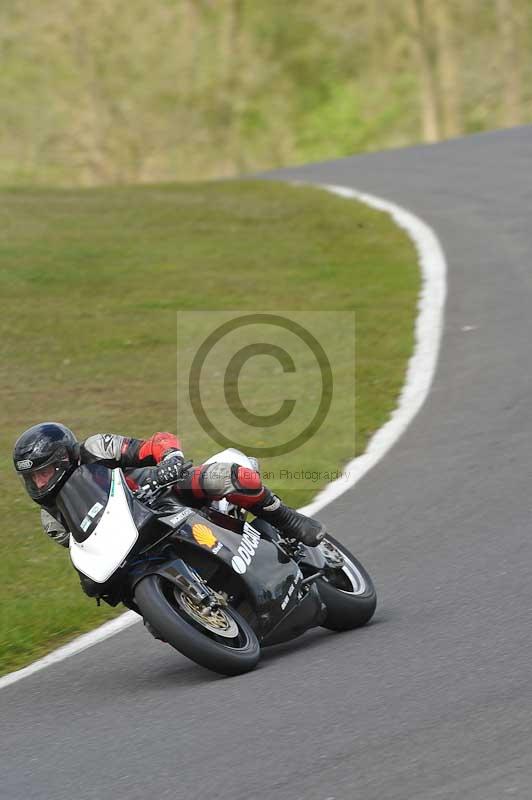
(349, 596)
(221, 641)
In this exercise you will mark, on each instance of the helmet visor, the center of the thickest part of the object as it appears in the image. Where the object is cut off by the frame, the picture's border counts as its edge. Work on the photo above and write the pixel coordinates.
(41, 480)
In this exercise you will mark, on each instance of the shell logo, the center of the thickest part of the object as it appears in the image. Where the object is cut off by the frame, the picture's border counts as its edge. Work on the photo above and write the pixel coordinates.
(204, 536)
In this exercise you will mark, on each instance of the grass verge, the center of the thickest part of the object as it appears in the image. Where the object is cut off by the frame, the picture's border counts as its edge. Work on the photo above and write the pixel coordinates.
(91, 281)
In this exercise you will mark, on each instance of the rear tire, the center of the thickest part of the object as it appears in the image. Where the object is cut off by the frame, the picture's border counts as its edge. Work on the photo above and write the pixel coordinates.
(351, 598)
(231, 652)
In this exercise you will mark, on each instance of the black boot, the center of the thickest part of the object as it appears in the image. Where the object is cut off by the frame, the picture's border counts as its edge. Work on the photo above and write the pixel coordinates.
(290, 522)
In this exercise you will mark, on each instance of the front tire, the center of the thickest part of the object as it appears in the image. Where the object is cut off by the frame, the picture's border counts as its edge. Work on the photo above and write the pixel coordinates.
(350, 597)
(224, 643)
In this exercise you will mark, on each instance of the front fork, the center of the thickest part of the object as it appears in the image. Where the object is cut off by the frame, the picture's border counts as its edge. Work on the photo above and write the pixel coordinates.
(185, 579)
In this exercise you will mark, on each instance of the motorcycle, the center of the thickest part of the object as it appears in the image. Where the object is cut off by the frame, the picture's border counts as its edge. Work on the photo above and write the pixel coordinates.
(214, 586)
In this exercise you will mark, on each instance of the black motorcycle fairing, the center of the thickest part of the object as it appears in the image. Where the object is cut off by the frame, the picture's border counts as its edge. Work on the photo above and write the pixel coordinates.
(308, 612)
(269, 581)
(84, 496)
(304, 608)
(310, 560)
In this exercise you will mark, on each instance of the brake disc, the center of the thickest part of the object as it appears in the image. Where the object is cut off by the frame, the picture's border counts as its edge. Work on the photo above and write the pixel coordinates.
(215, 620)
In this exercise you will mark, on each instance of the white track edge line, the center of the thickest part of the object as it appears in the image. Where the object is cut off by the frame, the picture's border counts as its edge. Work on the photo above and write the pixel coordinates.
(77, 645)
(420, 372)
(422, 363)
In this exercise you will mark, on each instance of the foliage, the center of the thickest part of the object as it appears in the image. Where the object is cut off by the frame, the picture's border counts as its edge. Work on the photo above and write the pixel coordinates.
(148, 90)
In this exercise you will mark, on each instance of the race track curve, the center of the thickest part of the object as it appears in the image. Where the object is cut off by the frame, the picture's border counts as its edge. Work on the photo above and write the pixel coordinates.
(433, 700)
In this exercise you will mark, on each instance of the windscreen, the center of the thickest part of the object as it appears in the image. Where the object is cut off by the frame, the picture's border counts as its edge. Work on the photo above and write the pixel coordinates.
(83, 498)
(85, 495)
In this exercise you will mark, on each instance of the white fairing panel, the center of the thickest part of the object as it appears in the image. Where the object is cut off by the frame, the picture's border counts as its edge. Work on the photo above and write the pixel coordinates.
(106, 548)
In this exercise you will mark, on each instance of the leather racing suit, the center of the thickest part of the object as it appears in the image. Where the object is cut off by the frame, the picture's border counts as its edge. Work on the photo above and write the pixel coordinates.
(240, 485)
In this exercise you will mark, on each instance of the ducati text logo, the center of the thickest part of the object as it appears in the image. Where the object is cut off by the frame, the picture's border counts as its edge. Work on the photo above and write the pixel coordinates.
(246, 550)
(24, 464)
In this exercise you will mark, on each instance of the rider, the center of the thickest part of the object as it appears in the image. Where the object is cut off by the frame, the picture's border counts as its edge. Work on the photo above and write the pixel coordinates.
(47, 454)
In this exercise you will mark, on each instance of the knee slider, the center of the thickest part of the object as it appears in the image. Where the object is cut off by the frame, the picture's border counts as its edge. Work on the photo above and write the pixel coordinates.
(246, 480)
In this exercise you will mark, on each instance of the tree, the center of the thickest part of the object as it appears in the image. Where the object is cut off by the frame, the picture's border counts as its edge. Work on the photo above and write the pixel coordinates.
(425, 53)
(445, 17)
(511, 58)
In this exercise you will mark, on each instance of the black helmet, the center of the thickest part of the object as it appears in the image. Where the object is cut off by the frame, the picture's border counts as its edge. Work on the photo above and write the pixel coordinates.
(44, 457)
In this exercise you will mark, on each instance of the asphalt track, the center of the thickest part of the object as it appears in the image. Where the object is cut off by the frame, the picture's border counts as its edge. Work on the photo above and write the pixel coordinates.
(434, 699)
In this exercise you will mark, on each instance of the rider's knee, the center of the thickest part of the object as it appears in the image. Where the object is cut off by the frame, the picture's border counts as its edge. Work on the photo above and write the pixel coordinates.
(221, 479)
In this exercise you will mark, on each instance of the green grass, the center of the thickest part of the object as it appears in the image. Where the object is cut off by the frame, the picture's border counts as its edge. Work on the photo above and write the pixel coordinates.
(91, 281)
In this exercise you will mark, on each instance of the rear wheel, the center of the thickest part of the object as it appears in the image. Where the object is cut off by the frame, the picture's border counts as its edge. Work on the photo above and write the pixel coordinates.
(349, 594)
(220, 639)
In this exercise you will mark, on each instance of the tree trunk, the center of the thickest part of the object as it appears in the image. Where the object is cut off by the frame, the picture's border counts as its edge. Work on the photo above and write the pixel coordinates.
(510, 61)
(424, 52)
(449, 68)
